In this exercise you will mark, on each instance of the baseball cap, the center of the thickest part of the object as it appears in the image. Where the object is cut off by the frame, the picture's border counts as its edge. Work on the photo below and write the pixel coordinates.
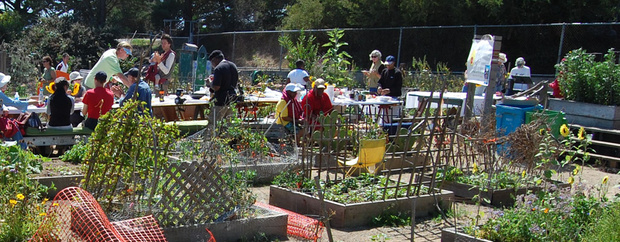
(292, 87)
(390, 59)
(75, 76)
(319, 83)
(4, 79)
(132, 72)
(216, 53)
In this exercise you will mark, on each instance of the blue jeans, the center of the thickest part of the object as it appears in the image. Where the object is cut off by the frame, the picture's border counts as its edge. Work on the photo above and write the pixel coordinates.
(18, 137)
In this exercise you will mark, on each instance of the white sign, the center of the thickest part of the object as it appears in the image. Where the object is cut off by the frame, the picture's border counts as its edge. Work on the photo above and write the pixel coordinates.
(479, 61)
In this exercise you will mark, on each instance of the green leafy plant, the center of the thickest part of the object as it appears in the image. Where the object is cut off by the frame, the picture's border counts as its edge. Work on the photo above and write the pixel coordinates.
(583, 79)
(336, 64)
(557, 215)
(421, 76)
(390, 217)
(77, 153)
(303, 49)
(21, 204)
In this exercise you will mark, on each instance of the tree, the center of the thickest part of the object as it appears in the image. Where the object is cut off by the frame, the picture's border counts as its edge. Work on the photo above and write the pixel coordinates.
(305, 14)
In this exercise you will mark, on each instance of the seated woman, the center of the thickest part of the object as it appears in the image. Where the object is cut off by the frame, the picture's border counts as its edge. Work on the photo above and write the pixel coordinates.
(60, 106)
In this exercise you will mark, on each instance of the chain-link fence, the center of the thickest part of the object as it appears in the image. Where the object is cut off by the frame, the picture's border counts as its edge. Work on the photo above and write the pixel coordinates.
(542, 45)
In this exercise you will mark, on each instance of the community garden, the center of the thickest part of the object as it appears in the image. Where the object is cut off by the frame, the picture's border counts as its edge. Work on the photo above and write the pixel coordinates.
(424, 174)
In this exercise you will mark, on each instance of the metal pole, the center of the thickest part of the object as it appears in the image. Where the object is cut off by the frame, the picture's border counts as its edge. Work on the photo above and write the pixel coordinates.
(232, 57)
(400, 41)
(561, 43)
(281, 50)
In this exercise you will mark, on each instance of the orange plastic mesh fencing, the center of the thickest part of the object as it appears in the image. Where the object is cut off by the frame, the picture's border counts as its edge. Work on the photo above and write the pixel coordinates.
(75, 215)
(298, 225)
(211, 238)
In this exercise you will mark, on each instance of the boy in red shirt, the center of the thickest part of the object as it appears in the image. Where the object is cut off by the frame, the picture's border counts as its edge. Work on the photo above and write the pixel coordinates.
(97, 101)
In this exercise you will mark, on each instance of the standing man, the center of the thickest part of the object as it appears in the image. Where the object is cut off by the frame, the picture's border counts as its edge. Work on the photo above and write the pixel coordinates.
(299, 75)
(64, 64)
(165, 63)
(391, 81)
(97, 101)
(225, 79)
(109, 63)
(139, 88)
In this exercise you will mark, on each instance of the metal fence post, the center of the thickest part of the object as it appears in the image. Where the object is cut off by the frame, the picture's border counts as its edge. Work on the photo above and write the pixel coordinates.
(281, 50)
(400, 40)
(232, 57)
(561, 43)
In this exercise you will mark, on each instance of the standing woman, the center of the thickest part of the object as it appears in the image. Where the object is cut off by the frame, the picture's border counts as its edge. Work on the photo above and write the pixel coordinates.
(165, 63)
(49, 73)
(60, 106)
(374, 73)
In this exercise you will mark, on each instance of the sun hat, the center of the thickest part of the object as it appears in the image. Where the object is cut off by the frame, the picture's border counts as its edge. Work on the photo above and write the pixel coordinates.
(4, 79)
(292, 87)
(319, 83)
(502, 58)
(75, 76)
(390, 59)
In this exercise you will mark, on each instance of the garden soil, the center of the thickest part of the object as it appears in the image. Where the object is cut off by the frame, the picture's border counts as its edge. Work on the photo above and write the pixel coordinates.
(426, 229)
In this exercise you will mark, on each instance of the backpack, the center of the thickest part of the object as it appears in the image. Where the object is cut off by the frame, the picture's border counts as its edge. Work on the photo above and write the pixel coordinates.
(8, 127)
(34, 121)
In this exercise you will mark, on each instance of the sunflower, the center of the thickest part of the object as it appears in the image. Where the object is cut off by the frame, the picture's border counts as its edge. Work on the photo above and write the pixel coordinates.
(582, 133)
(564, 130)
(475, 169)
(571, 180)
(13, 202)
(605, 180)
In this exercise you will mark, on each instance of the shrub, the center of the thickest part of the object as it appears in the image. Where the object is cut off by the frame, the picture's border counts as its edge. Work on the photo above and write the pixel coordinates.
(584, 80)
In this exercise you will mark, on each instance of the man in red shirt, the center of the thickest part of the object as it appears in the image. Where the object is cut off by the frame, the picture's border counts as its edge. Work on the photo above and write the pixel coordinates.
(97, 101)
(316, 102)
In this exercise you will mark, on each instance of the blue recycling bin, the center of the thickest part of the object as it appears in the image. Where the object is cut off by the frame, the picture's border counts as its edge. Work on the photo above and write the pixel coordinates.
(509, 118)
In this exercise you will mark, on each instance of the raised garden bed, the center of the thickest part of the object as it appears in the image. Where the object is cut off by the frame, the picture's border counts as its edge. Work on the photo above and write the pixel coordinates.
(267, 223)
(495, 197)
(354, 214)
(59, 182)
(451, 234)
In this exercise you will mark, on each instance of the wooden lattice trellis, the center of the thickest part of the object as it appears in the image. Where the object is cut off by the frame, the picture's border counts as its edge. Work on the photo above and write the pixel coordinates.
(191, 193)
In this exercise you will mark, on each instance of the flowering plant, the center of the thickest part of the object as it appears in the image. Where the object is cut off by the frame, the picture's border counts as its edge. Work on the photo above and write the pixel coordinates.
(583, 79)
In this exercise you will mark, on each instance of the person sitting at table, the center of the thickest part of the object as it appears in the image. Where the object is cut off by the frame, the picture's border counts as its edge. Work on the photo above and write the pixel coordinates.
(520, 73)
(289, 111)
(16, 134)
(76, 79)
(316, 102)
(4, 99)
(139, 90)
(97, 101)
(299, 75)
(391, 81)
(60, 106)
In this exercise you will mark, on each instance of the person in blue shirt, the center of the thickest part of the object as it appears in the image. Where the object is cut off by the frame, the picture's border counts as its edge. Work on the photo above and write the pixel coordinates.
(7, 101)
(138, 88)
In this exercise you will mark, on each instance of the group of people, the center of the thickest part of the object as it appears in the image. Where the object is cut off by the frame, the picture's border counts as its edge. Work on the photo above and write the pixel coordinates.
(98, 90)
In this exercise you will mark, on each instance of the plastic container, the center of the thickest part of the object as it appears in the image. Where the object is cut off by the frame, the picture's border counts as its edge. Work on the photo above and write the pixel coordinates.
(509, 118)
(555, 119)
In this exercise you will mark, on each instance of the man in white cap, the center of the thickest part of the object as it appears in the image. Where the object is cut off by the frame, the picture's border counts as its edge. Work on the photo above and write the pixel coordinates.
(5, 100)
(288, 109)
(519, 74)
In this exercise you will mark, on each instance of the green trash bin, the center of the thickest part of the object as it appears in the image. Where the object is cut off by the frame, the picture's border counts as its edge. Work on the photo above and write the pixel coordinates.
(555, 119)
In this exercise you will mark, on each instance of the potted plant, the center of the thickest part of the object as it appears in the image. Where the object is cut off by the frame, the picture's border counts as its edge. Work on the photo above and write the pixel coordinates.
(591, 89)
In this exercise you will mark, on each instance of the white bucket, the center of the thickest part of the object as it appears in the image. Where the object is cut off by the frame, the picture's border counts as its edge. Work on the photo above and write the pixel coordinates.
(330, 92)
